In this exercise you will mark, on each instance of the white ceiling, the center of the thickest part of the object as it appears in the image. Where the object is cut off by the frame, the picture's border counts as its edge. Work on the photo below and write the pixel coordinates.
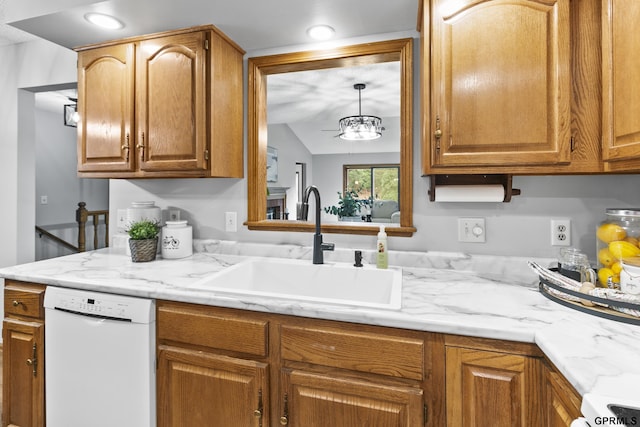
(309, 104)
(253, 24)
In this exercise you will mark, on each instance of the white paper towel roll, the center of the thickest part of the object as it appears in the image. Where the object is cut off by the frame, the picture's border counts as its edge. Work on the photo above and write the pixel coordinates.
(470, 193)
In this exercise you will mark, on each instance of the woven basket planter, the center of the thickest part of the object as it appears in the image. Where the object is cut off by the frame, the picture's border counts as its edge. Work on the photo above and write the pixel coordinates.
(143, 250)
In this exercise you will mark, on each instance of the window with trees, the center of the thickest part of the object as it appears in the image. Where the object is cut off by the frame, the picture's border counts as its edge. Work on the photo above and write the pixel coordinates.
(373, 182)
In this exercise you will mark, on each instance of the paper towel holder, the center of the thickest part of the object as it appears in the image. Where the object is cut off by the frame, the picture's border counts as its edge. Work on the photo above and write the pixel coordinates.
(505, 180)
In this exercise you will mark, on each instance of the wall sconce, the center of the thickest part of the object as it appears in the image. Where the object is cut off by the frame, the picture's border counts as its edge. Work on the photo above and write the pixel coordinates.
(71, 116)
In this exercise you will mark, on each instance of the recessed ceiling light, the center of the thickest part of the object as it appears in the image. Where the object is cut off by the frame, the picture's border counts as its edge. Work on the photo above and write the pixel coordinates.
(104, 21)
(321, 32)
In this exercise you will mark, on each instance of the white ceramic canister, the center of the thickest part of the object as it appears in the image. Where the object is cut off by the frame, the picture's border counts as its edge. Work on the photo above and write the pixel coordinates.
(144, 210)
(630, 276)
(177, 240)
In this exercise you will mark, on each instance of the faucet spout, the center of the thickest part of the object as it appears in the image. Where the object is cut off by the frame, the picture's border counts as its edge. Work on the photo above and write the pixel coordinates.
(318, 245)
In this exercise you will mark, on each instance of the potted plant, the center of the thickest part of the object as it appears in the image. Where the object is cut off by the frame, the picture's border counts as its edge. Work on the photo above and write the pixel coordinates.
(348, 208)
(143, 240)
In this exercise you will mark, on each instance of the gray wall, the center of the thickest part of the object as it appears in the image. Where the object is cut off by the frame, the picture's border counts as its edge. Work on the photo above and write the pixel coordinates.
(290, 150)
(57, 179)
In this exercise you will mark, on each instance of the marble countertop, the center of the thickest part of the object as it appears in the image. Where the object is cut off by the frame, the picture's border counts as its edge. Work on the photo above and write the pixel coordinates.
(483, 296)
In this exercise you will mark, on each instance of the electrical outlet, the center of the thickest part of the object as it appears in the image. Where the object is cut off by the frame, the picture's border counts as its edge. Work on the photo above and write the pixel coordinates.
(231, 221)
(560, 232)
(174, 214)
(471, 230)
(122, 219)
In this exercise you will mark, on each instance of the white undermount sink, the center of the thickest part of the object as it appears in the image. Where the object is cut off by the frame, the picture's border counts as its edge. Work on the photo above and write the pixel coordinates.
(334, 283)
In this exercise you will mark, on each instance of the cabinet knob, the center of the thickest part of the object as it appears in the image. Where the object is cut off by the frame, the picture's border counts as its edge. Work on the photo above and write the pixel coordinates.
(284, 420)
(17, 303)
(257, 413)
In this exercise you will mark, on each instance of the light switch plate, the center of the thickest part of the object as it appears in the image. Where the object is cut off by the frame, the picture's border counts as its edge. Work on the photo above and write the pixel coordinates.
(471, 230)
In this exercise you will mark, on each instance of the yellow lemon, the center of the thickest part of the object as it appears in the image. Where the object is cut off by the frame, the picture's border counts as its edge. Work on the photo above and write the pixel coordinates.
(632, 240)
(616, 267)
(621, 249)
(603, 276)
(605, 257)
(609, 232)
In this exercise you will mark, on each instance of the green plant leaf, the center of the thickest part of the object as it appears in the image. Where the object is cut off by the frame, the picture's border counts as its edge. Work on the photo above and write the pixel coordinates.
(143, 229)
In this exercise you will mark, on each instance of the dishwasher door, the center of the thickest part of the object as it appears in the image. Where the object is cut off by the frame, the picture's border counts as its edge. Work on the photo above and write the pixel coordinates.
(99, 360)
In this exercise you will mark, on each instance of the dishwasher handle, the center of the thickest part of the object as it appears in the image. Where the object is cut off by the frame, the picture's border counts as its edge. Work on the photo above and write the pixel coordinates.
(93, 315)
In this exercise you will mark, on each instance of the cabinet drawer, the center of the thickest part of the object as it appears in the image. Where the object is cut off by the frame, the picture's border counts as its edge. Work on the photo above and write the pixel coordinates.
(390, 355)
(211, 327)
(24, 299)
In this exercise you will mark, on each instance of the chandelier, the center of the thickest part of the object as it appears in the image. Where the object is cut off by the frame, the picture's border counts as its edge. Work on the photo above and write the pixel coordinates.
(360, 128)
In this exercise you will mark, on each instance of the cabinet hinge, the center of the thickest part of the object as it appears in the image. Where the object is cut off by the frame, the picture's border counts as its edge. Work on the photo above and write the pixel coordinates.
(206, 155)
(426, 413)
(206, 44)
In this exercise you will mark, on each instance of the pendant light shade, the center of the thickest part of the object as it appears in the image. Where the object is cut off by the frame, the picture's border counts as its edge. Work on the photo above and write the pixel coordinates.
(360, 128)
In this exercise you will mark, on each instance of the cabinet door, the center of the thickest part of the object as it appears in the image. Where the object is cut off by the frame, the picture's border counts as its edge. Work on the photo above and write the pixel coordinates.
(621, 80)
(201, 389)
(324, 400)
(501, 85)
(562, 401)
(105, 105)
(23, 374)
(492, 389)
(171, 98)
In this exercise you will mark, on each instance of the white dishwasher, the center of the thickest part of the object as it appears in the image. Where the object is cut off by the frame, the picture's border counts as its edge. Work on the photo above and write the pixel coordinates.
(99, 359)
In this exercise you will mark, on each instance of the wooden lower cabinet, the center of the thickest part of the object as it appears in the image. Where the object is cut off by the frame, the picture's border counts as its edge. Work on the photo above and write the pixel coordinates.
(329, 400)
(562, 401)
(23, 355)
(225, 367)
(493, 388)
(197, 388)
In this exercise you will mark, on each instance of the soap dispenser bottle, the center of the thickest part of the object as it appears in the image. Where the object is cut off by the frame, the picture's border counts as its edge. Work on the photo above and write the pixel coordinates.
(383, 255)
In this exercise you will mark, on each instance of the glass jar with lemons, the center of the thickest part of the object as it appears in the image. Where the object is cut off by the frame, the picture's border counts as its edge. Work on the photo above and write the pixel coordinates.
(617, 240)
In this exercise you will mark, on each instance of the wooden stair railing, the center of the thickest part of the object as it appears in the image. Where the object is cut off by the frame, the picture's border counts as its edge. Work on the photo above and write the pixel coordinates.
(82, 215)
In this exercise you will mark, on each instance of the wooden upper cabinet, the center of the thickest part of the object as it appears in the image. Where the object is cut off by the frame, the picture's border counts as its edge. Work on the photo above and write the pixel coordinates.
(171, 115)
(500, 85)
(162, 105)
(621, 84)
(106, 98)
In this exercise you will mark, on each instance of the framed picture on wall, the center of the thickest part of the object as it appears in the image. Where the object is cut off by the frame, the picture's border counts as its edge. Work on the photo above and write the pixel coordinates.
(272, 164)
